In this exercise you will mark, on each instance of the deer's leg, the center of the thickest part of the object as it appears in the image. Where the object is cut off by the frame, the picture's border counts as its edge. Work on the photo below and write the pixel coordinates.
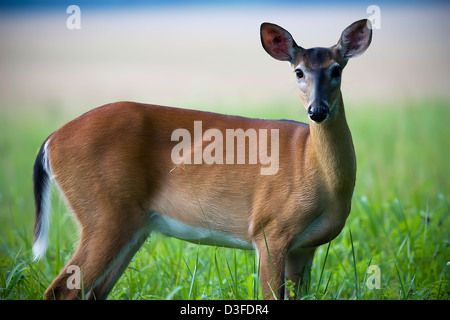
(102, 288)
(272, 262)
(107, 244)
(298, 265)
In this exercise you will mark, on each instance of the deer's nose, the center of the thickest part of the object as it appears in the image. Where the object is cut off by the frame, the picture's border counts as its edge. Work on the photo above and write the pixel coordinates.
(318, 112)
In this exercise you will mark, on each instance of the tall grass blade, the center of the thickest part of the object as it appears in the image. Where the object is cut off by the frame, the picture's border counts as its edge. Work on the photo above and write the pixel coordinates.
(403, 243)
(339, 288)
(235, 276)
(193, 276)
(173, 292)
(323, 266)
(326, 286)
(410, 289)
(219, 275)
(354, 266)
(401, 281)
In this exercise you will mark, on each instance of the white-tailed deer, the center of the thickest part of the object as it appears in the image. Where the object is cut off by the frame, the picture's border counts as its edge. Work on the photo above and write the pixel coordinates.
(127, 169)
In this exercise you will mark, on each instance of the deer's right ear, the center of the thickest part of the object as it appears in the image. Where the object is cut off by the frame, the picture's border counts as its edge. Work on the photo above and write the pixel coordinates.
(355, 39)
(278, 42)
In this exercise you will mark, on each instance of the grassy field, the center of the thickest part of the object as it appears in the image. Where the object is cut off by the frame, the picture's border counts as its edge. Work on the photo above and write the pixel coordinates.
(399, 221)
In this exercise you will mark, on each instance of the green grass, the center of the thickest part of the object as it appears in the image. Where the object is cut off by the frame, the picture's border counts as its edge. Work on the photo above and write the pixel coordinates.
(399, 219)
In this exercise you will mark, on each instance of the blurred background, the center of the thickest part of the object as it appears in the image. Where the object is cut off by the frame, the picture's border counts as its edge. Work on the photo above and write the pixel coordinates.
(207, 54)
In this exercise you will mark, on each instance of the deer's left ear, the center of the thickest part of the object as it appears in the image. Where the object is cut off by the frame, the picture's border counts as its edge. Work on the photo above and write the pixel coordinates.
(355, 39)
(278, 42)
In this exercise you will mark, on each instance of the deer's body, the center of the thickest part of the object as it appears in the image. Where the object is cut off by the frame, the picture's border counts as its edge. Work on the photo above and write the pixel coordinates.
(115, 167)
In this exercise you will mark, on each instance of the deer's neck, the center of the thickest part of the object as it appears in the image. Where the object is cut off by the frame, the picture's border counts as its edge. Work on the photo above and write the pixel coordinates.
(331, 151)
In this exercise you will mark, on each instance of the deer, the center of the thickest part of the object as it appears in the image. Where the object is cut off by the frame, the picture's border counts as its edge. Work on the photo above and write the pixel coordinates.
(125, 170)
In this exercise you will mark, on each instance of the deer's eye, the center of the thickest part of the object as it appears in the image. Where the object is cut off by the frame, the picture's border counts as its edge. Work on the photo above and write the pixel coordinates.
(336, 72)
(299, 73)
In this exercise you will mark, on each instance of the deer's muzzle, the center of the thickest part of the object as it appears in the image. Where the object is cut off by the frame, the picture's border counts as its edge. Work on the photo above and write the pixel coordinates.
(318, 112)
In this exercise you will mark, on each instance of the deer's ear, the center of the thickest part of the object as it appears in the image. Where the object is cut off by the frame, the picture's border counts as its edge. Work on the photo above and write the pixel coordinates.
(278, 42)
(355, 39)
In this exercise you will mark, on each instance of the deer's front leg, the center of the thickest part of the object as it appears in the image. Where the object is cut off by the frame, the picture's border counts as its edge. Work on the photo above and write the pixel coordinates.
(272, 256)
(297, 263)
